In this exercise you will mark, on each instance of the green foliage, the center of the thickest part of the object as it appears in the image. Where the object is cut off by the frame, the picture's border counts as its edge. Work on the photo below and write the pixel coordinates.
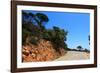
(42, 17)
(28, 27)
(32, 33)
(79, 48)
(57, 36)
(86, 50)
(25, 34)
(34, 40)
(89, 39)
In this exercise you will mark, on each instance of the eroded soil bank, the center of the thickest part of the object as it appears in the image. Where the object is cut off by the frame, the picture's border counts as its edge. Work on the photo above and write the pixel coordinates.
(43, 51)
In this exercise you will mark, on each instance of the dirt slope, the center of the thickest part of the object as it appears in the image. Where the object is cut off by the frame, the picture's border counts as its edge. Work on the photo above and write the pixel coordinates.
(43, 51)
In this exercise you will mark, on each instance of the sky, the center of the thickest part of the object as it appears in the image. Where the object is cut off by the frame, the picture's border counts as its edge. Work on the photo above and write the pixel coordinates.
(77, 25)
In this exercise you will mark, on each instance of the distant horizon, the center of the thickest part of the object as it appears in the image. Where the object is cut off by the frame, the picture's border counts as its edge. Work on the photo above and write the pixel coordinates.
(77, 25)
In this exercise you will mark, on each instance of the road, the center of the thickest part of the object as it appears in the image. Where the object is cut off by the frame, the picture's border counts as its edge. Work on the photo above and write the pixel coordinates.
(74, 55)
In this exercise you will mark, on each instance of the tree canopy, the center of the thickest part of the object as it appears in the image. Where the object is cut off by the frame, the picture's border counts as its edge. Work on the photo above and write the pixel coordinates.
(79, 47)
(33, 29)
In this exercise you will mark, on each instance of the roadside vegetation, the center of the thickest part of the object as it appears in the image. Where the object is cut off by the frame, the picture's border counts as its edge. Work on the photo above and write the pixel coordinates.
(33, 30)
(35, 34)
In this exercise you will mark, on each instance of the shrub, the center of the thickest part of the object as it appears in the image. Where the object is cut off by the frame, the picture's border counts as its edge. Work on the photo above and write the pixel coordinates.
(33, 41)
(30, 30)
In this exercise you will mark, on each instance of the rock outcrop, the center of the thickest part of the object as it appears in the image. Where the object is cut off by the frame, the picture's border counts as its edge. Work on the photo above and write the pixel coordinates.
(43, 51)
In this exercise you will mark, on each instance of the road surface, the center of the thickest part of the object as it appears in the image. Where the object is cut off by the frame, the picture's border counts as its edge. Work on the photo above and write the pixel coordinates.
(74, 55)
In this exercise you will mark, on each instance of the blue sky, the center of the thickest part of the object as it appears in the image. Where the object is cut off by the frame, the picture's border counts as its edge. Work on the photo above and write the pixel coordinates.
(77, 25)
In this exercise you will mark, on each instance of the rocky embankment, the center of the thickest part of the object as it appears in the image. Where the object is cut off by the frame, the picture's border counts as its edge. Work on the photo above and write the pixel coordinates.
(43, 51)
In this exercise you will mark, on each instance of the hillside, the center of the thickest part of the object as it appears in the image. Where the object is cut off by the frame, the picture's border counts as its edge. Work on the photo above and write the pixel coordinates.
(40, 43)
(43, 51)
